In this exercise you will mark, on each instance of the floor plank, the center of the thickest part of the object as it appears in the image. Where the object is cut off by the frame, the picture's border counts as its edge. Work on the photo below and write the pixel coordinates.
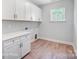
(43, 49)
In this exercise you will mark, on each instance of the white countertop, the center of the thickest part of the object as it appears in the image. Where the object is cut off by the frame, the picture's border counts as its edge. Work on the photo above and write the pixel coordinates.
(15, 34)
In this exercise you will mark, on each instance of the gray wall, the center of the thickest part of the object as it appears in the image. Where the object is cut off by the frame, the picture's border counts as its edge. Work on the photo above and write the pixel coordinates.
(58, 30)
(13, 26)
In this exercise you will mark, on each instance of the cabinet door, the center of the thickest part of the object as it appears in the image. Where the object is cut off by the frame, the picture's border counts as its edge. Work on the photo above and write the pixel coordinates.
(25, 45)
(28, 11)
(39, 14)
(8, 9)
(11, 50)
(35, 12)
(20, 9)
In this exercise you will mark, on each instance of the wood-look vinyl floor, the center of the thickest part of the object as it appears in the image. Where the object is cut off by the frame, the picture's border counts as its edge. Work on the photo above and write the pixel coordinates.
(43, 49)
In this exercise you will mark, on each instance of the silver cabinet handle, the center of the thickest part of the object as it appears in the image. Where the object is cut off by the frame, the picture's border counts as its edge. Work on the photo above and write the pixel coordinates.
(21, 45)
(13, 41)
(15, 16)
(31, 18)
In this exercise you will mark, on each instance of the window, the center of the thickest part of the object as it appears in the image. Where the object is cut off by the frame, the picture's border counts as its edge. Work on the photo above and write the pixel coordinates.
(57, 14)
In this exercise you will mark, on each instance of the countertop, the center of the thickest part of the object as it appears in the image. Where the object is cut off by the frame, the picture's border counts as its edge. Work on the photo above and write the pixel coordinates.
(15, 34)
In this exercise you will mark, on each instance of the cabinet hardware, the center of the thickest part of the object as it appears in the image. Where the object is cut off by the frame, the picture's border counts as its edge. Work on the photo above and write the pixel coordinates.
(15, 16)
(31, 18)
(13, 41)
(39, 18)
(20, 45)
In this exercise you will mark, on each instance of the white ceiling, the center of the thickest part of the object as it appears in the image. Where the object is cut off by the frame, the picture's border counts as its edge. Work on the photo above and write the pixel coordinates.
(42, 2)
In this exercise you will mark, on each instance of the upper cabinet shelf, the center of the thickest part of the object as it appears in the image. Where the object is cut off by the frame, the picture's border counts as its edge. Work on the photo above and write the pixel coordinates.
(20, 10)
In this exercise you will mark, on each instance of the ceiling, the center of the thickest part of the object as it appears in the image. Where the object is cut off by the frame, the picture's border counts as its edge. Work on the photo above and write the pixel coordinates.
(42, 2)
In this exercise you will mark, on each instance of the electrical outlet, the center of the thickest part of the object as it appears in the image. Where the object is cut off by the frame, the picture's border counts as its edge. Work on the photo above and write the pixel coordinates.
(35, 36)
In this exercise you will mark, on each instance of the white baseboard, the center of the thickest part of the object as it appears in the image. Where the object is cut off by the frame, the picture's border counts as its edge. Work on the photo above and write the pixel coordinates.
(54, 40)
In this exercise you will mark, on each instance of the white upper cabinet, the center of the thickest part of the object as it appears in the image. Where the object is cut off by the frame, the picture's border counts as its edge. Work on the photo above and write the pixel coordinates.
(39, 14)
(28, 11)
(8, 9)
(13, 9)
(35, 12)
(20, 9)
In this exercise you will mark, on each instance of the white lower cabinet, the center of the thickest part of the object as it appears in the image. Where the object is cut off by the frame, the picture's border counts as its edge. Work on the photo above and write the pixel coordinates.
(11, 49)
(16, 48)
(12, 52)
(25, 45)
